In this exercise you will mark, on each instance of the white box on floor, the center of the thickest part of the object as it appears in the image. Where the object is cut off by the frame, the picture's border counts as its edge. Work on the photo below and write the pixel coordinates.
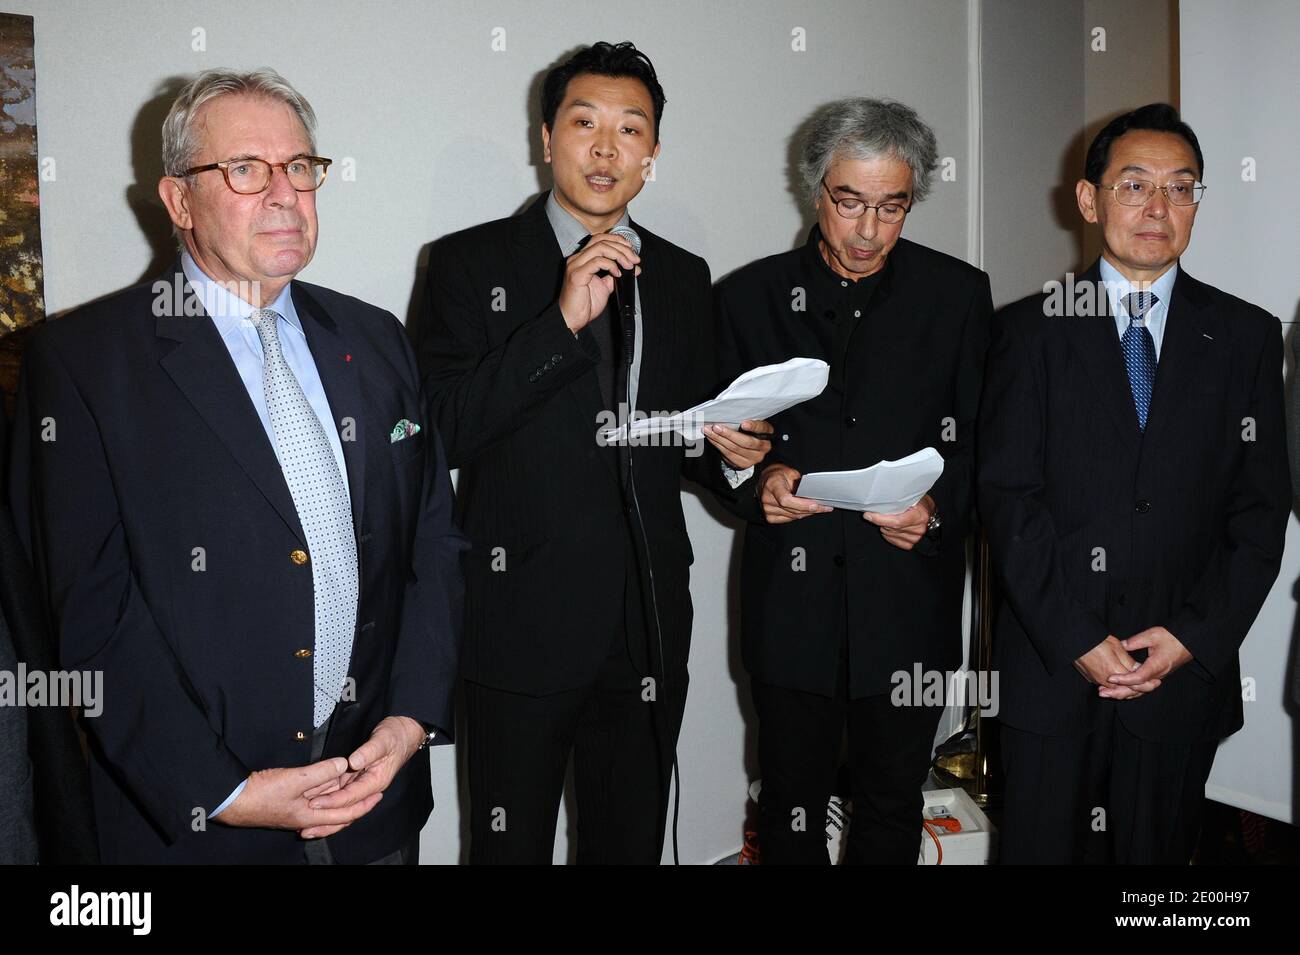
(973, 845)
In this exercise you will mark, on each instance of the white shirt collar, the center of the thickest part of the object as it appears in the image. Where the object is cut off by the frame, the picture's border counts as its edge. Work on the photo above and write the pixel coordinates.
(229, 311)
(1117, 286)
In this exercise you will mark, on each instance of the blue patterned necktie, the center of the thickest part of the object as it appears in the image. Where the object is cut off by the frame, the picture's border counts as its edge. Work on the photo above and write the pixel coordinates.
(1140, 352)
(321, 500)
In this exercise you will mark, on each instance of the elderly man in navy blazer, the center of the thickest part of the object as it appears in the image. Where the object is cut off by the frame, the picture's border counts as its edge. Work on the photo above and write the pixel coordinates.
(241, 514)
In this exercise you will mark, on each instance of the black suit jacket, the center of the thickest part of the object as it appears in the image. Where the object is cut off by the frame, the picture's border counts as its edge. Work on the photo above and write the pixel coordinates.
(911, 365)
(516, 398)
(135, 446)
(1098, 529)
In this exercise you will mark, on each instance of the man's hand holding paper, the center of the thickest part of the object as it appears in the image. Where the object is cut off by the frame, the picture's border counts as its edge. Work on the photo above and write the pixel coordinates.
(740, 450)
(777, 497)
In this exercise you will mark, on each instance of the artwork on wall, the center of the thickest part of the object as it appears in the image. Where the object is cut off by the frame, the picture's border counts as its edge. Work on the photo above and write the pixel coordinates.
(22, 297)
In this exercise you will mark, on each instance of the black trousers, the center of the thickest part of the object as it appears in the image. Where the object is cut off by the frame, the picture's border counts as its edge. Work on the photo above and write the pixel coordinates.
(799, 746)
(622, 748)
(1104, 797)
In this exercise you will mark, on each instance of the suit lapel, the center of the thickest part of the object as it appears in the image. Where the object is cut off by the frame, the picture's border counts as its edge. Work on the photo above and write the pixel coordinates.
(338, 360)
(1094, 340)
(1189, 332)
(205, 374)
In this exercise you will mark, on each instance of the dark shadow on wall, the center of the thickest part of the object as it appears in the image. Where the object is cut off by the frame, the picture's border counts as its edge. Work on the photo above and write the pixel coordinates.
(1089, 236)
(794, 180)
(415, 305)
(1065, 206)
(146, 164)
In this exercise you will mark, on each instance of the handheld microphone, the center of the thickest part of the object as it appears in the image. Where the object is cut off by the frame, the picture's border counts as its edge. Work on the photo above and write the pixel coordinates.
(625, 295)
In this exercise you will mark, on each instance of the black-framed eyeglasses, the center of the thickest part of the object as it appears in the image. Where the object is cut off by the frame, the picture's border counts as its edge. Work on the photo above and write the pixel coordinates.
(851, 207)
(1138, 192)
(248, 177)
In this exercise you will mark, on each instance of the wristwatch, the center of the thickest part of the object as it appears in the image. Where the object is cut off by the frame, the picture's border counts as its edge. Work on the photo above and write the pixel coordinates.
(429, 735)
(932, 526)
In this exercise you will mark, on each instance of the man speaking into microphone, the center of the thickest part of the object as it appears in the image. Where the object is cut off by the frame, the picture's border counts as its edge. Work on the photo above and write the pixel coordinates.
(578, 615)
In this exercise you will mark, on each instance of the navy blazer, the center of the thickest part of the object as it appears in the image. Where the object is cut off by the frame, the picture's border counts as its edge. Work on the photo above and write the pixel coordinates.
(161, 528)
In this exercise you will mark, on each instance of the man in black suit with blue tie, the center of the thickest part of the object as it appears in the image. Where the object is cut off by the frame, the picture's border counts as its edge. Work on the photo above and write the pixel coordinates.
(240, 513)
(1133, 480)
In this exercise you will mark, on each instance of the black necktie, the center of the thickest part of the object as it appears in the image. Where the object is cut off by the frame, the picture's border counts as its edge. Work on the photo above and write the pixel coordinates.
(611, 370)
(604, 329)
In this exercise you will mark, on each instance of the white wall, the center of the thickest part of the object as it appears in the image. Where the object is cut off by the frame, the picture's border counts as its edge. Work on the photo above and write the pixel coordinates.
(1240, 75)
(442, 131)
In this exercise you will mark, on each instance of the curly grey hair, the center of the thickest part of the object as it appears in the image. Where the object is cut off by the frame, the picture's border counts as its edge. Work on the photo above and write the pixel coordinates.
(179, 141)
(862, 128)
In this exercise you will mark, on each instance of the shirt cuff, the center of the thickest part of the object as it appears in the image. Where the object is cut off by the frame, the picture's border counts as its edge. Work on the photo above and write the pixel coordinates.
(736, 478)
(229, 799)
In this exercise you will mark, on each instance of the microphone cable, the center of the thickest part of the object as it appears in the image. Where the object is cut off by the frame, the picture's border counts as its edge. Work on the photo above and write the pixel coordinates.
(627, 321)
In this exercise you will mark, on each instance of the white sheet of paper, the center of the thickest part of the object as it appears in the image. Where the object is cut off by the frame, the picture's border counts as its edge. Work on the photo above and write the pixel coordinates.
(889, 487)
(755, 396)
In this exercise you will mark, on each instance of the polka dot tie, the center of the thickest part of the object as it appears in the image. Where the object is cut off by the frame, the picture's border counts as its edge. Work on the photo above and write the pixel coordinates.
(321, 500)
(1140, 352)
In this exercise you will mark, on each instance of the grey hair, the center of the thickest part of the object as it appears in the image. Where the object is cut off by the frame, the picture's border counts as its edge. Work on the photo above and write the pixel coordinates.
(862, 128)
(179, 140)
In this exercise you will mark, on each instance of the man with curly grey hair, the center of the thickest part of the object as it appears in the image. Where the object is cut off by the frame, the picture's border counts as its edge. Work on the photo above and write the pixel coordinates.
(842, 611)
(241, 514)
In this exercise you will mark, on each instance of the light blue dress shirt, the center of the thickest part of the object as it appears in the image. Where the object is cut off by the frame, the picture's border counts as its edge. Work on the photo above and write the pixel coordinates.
(231, 314)
(1117, 287)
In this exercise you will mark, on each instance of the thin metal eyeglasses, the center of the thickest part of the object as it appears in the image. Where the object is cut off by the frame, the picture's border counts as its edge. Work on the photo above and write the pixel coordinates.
(1138, 192)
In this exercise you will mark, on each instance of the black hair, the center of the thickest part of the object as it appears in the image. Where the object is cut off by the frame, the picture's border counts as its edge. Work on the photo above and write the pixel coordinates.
(1159, 117)
(602, 59)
